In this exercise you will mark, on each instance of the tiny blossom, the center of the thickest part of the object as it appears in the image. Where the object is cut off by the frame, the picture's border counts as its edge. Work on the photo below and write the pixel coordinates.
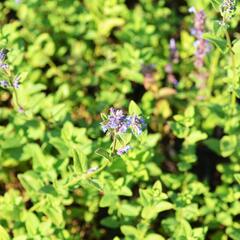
(136, 123)
(123, 150)
(2, 55)
(4, 83)
(92, 169)
(4, 66)
(174, 56)
(192, 10)
(20, 110)
(16, 83)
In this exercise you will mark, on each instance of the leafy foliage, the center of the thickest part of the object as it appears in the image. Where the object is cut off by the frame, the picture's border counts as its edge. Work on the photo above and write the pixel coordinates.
(166, 165)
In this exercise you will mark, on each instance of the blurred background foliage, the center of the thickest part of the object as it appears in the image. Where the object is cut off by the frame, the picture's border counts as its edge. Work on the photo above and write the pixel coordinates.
(77, 59)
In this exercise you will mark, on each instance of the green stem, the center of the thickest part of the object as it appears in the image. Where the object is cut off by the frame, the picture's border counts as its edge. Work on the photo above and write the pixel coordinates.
(85, 176)
(114, 144)
(234, 70)
(213, 69)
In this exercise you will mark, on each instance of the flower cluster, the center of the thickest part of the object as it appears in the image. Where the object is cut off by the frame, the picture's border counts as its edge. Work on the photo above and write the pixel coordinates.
(201, 45)
(15, 82)
(173, 58)
(3, 54)
(227, 10)
(117, 122)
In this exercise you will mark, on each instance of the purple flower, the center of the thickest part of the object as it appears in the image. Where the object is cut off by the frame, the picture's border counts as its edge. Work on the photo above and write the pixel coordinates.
(123, 150)
(227, 10)
(136, 123)
(117, 121)
(4, 83)
(16, 83)
(4, 66)
(201, 45)
(21, 109)
(174, 56)
(3, 53)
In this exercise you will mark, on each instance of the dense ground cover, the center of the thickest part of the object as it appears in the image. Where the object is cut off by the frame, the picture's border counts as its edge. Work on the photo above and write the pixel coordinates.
(119, 120)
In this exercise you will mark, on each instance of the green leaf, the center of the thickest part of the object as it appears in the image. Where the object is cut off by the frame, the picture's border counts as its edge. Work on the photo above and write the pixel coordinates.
(233, 233)
(154, 236)
(3, 234)
(79, 161)
(189, 112)
(129, 210)
(54, 212)
(109, 199)
(219, 42)
(178, 129)
(149, 212)
(164, 206)
(103, 153)
(133, 109)
(128, 230)
(195, 136)
(228, 145)
(30, 181)
(237, 177)
(216, 4)
(32, 223)
(111, 222)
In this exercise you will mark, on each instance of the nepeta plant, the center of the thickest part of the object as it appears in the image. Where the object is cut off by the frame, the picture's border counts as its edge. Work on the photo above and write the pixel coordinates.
(201, 45)
(227, 10)
(173, 59)
(118, 123)
(10, 80)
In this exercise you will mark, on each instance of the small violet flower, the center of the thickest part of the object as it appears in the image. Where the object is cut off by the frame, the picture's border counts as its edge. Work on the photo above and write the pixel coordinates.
(123, 150)
(92, 169)
(3, 54)
(4, 83)
(16, 82)
(136, 123)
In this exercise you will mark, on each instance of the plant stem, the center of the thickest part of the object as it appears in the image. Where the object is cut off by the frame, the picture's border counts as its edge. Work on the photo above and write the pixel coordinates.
(213, 69)
(234, 71)
(114, 144)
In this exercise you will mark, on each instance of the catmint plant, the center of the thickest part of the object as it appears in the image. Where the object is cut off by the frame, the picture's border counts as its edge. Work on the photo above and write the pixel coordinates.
(173, 59)
(118, 123)
(9, 81)
(201, 45)
(227, 10)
